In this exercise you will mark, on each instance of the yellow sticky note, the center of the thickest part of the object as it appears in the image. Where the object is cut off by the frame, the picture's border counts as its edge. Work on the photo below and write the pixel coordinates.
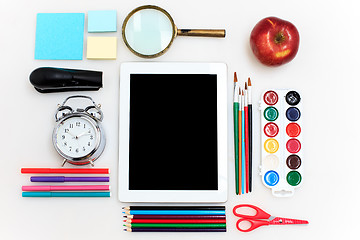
(101, 47)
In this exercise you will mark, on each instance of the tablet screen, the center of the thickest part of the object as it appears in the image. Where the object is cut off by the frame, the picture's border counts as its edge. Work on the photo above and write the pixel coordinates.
(173, 132)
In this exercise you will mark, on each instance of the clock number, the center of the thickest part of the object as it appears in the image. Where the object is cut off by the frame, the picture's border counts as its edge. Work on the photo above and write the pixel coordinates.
(66, 130)
(78, 124)
(77, 150)
(71, 125)
(65, 143)
(70, 148)
(91, 137)
(84, 149)
(63, 137)
(88, 143)
(84, 125)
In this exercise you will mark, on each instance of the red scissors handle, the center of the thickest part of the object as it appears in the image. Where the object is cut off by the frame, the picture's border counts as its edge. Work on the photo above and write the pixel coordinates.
(253, 224)
(260, 214)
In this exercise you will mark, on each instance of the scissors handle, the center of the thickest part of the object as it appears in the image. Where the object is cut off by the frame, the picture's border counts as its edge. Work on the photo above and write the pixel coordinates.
(260, 214)
(253, 224)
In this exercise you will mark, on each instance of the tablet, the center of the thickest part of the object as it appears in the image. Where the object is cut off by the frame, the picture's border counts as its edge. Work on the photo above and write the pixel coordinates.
(173, 132)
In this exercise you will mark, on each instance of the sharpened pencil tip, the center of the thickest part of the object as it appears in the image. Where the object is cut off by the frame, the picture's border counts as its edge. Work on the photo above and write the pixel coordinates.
(235, 77)
(245, 86)
(249, 82)
(242, 92)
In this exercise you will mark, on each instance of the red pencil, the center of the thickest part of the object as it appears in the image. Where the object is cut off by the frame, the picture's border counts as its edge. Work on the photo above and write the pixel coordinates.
(175, 220)
(246, 139)
(66, 170)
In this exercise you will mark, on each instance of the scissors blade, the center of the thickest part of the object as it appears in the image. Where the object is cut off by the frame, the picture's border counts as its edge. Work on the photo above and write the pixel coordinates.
(286, 221)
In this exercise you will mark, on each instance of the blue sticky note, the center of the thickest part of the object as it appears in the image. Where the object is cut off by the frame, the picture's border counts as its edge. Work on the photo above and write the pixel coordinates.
(102, 21)
(59, 36)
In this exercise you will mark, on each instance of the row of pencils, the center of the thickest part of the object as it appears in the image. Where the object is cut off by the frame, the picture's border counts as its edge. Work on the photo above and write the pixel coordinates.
(175, 219)
(242, 110)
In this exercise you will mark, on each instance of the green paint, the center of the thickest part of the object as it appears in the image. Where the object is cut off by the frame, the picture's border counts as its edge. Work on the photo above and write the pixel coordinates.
(293, 178)
(271, 114)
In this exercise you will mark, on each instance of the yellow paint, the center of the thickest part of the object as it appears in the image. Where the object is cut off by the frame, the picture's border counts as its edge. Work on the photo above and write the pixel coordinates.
(282, 53)
(271, 145)
(101, 47)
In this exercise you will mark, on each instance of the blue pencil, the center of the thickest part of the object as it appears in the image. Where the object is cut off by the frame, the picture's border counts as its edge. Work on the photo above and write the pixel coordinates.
(175, 212)
(66, 194)
(243, 170)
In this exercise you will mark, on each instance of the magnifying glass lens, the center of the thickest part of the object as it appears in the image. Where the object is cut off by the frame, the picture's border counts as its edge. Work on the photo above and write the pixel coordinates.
(148, 31)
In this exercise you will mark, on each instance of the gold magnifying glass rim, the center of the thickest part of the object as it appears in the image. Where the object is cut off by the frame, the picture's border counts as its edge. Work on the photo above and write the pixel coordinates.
(142, 8)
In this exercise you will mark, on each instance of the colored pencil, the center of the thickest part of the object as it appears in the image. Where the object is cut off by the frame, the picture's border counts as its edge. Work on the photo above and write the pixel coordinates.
(236, 132)
(250, 133)
(243, 175)
(66, 170)
(239, 142)
(174, 208)
(246, 139)
(175, 216)
(175, 212)
(175, 221)
(67, 188)
(175, 225)
(66, 194)
(175, 229)
(69, 179)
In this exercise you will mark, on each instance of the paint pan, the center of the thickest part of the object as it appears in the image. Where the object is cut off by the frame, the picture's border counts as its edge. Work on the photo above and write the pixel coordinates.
(282, 165)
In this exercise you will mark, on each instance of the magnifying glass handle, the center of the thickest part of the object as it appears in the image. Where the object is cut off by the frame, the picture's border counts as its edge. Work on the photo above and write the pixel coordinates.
(220, 33)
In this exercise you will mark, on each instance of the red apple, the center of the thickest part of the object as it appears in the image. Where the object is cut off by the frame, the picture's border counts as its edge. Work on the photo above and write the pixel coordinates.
(274, 41)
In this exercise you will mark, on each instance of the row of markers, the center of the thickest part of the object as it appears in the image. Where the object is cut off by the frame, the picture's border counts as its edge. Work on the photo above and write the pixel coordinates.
(243, 137)
(66, 190)
(175, 219)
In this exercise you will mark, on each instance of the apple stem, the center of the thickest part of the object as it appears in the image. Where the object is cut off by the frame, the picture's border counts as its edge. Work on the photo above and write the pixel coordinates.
(279, 38)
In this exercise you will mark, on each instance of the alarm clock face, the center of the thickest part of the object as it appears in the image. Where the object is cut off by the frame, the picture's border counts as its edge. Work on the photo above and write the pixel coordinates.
(76, 137)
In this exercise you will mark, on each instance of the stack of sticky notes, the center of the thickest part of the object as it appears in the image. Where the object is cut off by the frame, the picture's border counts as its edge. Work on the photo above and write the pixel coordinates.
(101, 47)
(59, 36)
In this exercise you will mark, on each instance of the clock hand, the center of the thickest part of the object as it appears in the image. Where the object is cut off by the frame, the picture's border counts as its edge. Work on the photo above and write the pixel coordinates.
(71, 134)
(81, 134)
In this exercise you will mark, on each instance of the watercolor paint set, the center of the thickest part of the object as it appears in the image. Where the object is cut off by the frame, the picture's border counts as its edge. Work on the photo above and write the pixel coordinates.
(282, 165)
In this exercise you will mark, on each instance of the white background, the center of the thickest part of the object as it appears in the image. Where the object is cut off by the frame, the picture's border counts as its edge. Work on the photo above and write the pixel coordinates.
(326, 71)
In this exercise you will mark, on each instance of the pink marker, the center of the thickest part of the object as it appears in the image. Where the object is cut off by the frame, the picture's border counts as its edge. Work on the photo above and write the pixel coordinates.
(67, 188)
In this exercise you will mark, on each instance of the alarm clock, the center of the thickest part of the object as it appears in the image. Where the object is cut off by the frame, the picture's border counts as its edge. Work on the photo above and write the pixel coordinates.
(78, 135)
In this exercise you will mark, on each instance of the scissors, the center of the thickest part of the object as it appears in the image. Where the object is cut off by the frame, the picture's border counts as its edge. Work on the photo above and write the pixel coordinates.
(261, 218)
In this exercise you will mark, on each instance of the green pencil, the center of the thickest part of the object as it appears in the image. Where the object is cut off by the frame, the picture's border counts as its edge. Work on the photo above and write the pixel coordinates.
(236, 132)
(176, 225)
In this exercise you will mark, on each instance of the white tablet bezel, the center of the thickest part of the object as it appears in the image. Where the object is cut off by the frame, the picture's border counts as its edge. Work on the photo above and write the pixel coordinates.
(126, 195)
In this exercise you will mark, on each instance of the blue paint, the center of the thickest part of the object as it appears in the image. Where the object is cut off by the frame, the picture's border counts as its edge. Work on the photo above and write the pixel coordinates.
(271, 178)
(59, 36)
(293, 114)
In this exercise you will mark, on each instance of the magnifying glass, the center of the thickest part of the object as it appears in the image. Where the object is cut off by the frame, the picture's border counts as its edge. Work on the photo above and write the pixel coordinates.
(148, 31)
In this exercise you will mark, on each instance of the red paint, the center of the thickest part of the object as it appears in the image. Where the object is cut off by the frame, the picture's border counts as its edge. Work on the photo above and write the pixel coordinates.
(293, 130)
(271, 98)
(293, 145)
(247, 147)
(271, 129)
